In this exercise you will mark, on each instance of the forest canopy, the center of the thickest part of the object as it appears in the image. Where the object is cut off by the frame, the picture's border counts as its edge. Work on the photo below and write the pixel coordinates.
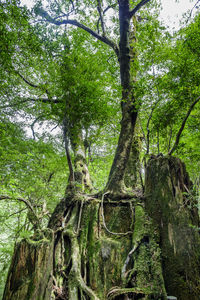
(73, 100)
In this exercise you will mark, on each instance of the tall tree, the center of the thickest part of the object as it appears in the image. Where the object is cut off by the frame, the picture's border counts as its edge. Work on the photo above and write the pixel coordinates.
(112, 245)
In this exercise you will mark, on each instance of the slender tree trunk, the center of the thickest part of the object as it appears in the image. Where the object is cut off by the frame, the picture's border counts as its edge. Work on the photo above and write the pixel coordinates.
(79, 177)
(133, 165)
(81, 173)
(115, 183)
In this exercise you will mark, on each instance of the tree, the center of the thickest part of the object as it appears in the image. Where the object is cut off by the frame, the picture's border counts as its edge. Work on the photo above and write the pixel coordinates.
(126, 236)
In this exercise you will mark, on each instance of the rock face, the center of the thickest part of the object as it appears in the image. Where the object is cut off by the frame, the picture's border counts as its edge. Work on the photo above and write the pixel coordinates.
(171, 205)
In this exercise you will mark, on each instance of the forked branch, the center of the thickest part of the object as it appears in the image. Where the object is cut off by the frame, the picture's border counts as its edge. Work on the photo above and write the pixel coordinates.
(25, 201)
(103, 39)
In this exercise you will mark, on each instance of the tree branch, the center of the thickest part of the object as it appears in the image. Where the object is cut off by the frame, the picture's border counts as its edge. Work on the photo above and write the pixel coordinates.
(15, 213)
(44, 100)
(99, 8)
(28, 204)
(27, 81)
(137, 7)
(182, 126)
(103, 39)
(33, 85)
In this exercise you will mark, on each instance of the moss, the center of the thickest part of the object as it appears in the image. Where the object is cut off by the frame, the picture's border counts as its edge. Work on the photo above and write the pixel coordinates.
(30, 270)
(166, 183)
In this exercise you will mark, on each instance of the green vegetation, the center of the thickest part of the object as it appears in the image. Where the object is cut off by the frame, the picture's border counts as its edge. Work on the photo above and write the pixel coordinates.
(89, 92)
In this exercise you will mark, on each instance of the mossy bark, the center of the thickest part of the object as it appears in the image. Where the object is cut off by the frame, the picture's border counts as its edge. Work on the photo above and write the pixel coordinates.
(170, 204)
(133, 166)
(30, 273)
(116, 249)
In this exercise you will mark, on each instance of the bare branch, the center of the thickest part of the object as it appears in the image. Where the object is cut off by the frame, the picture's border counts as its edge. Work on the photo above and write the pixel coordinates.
(27, 81)
(137, 7)
(28, 204)
(33, 124)
(15, 213)
(99, 8)
(103, 39)
(195, 6)
(44, 100)
(33, 85)
(182, 126)
(109, 7)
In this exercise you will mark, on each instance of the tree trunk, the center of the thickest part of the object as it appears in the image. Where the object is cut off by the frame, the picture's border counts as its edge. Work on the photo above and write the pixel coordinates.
(133, 168)
(79, 177)
(30, 273)
(171, 205)
(121, 249)
(115, 183)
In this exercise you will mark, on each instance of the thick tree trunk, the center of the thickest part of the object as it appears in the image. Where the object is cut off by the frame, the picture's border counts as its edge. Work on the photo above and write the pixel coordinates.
(170, 203)
(122, 249)
(30, 273)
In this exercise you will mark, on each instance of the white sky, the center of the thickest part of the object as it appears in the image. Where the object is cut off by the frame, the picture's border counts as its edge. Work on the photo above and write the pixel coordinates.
(173, 11)
(170, 14)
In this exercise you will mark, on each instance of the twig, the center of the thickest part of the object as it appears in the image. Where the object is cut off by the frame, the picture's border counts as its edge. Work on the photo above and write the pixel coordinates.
(27, 81)
(192, 10)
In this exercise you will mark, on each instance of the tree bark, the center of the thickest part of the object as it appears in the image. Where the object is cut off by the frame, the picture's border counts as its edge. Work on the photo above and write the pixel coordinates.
(30, 273)
(116, 249)
(79, 177)
(171, 205)
(115, 183)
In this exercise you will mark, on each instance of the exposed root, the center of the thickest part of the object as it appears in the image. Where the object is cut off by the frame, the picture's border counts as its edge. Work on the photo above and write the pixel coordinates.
(128, 259)
(79, 219)
(104, 223)
(75, 272)
(116, 291)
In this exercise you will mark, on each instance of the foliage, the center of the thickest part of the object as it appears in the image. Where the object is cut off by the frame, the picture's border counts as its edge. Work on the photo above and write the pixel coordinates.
(167, 86)
(49, 72)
